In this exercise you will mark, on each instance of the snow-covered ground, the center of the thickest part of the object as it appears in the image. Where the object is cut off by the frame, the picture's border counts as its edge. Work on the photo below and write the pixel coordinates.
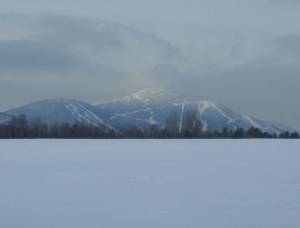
(149, 183)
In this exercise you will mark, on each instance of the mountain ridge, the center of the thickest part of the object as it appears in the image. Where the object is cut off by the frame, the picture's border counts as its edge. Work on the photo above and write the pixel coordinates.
(144, 109)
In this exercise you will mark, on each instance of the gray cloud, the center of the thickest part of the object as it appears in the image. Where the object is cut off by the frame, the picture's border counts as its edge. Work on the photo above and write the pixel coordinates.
(25, 55)
(285, 1)
(60, 53)
(289, 42)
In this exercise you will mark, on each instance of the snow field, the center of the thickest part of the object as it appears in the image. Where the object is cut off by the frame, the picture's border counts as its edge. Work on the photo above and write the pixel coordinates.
(149, 183)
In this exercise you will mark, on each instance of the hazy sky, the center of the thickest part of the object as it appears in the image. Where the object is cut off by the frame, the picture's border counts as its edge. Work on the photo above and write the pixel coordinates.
(243, 53)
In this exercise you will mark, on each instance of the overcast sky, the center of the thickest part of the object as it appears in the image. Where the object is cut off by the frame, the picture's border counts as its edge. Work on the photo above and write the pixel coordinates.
(242, 53)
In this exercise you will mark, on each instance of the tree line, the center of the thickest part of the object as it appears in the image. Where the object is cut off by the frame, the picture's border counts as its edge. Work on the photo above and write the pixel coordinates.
(20, 128)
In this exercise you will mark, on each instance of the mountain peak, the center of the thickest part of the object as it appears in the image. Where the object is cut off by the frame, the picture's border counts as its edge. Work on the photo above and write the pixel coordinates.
(153, 95)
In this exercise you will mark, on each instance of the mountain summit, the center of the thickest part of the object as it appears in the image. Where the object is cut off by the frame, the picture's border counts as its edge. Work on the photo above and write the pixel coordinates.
(152, 96)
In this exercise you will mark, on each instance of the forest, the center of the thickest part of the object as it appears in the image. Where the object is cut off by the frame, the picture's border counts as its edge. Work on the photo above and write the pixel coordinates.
(20, 128)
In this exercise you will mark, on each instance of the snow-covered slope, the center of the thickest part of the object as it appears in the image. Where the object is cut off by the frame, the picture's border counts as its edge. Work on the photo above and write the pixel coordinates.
(60, 111)
(216, 116)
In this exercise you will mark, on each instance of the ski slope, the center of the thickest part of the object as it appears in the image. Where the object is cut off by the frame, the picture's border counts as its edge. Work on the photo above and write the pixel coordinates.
(149, 183)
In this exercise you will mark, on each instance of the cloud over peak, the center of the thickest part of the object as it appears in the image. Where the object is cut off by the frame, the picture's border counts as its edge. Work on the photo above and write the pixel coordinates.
(80, 52)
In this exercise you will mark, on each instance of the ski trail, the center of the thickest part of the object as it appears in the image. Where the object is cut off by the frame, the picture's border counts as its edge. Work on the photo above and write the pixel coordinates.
(203, 106)
(151, 119)
(230, 120)
(263, 128)
(74, 111)
(129, 113)
(181, 117)
(93, 115)
(88, 116)
(252, 122)
(204, 126)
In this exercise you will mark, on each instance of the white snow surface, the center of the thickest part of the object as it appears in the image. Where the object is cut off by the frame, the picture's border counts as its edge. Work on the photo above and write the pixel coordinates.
(149, 183)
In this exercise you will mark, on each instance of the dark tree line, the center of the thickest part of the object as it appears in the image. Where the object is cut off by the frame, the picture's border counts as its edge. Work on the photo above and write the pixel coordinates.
(20, 128)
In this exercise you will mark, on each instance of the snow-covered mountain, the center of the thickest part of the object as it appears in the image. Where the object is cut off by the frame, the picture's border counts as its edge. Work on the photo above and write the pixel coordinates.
(145, 109)
(59, 111)
(165, 108)
(141, 109)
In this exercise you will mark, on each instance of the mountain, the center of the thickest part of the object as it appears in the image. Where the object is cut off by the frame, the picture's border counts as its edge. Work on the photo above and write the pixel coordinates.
(165, 109)
(145, 109)
(141, 109)
(59, 111)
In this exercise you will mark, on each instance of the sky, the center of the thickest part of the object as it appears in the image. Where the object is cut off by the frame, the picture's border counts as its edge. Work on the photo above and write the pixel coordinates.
(244, 54)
